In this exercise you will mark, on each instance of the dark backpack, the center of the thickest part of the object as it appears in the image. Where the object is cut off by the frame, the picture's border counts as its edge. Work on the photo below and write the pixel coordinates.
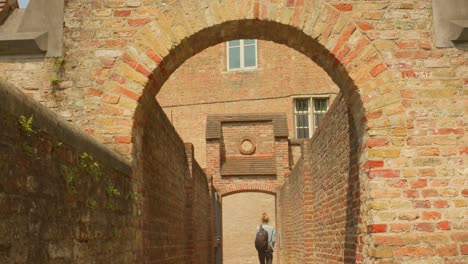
(261, 239)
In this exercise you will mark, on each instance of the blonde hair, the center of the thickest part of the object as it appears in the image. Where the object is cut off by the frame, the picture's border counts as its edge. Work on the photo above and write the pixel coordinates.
(265, 218)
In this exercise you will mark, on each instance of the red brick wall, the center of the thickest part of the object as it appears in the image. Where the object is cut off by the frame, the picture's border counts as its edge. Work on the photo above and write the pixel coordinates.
(200, 207)
(176, 216)
(334, 189)
(260, 132)
(203, 86)
(267, 145)
(320, 200)
(57, 203)
(416, 129)
(291, 202)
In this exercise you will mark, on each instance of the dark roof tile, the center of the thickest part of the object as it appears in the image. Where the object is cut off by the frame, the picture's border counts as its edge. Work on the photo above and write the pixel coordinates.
(213, 123)
(238, 166)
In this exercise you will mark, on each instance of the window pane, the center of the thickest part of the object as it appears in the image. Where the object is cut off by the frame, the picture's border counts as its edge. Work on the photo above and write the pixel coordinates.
(234, 43)
(302, 132)
(300, 122)
(249, 41)
(234, 58)
(306, 121)
(318, 119)
(306, 105)
(302, 125)
(250, 56)
(23, 3)
(302, 105)
(320, 104)
(302, 115)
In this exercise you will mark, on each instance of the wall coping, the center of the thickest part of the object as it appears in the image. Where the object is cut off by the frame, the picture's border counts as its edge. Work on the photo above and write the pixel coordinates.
(15, 102)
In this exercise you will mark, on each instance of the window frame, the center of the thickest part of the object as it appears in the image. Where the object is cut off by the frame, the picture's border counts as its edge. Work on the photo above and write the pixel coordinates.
(314, 112)
(311, 112)
(295, 112)
(241, 56)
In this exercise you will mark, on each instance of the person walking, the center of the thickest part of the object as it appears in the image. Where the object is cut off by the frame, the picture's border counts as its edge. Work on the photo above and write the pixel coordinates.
(265, 255)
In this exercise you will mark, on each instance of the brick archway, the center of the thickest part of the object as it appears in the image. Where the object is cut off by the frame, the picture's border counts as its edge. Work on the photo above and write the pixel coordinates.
(315, 28)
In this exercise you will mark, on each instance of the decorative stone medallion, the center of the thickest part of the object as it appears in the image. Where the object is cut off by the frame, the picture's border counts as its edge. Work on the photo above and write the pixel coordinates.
(247, 146)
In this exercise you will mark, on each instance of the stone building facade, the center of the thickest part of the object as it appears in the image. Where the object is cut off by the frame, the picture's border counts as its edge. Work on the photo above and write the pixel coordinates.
(396, 129)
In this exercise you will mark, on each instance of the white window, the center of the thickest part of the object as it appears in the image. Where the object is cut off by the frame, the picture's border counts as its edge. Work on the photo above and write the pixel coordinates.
(320, 108)
(23, 3)
(241, 54)
(307, 118)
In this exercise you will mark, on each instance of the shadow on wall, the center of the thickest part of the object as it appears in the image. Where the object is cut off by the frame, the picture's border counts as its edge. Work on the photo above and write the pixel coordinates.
(63, 196)
(334, 154)
(353, 200)
(320, 201)
(176, 205)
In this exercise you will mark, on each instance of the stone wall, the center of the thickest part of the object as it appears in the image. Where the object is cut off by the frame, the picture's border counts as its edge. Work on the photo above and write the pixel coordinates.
(320, 200)
(63, 197)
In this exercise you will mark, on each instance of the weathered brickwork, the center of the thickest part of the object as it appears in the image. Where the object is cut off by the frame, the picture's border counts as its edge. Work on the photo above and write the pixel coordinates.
(72, 200)
(404, 95)
(320, 200)
(176, 222)
(261, 133)
(291, 202)
(63, 197)
(269, 146)
(200, 208)
(335, 190)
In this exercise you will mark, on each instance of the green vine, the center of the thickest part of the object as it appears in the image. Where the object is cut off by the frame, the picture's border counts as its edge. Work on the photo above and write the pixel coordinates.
(27, 149)
(55, 81)
(71, 178)
(92, 204)
(59, 69)
(132, 196)
(112, 191)
(26, 125)
(90, 166)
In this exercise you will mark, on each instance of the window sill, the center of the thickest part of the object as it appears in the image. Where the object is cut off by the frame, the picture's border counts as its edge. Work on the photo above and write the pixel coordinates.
(246, 70)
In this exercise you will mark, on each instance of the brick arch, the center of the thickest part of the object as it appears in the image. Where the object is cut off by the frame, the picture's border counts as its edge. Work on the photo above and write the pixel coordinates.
(314, 28)
(229, 189)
